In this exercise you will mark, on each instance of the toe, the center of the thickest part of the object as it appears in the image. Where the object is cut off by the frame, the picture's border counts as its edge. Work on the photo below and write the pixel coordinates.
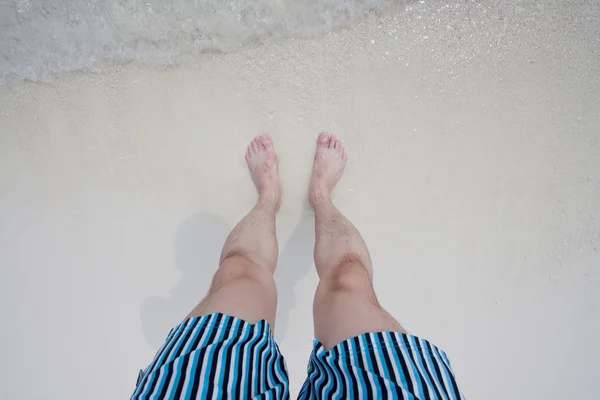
(340, 148)
(254, 146)
(344, 156)
(332, 141)
(338, 145)
(324, 139)
(267, 141)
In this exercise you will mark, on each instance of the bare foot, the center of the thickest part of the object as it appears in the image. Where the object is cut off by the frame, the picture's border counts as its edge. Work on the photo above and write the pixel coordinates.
(330, 162)
(262, 162)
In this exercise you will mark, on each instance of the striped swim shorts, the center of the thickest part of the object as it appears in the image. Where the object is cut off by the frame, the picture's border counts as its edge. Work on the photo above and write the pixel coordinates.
(218, 356)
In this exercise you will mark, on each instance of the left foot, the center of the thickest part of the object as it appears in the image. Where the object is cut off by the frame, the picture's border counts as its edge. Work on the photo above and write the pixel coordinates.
(262, 162)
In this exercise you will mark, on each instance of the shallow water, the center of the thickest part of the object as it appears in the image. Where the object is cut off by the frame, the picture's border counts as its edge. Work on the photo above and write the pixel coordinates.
(474, 175)
(40, 39)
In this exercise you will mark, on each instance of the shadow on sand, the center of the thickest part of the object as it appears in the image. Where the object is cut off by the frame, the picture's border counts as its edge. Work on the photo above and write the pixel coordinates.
(198, 244)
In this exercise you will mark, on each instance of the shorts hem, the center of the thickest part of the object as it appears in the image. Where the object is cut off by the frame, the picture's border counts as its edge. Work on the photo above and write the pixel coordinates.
(340, 353)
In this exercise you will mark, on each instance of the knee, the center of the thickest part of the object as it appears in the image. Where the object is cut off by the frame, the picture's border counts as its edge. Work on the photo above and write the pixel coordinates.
(350, 275)
(238, 267)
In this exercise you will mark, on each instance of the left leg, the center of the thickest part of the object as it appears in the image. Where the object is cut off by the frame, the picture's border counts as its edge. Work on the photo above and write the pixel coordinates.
(230, 351)
(243, 286)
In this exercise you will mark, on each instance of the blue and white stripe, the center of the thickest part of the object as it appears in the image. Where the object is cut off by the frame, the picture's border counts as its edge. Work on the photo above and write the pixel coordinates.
(216, 357)
(222, 357)
(382, 365)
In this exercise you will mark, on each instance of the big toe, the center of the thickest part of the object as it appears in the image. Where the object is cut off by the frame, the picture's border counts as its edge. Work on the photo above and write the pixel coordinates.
(267, 141)
(324, 138)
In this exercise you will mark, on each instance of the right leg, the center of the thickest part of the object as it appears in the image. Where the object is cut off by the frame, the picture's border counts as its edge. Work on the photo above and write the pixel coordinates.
(369, 365)
(345, 304)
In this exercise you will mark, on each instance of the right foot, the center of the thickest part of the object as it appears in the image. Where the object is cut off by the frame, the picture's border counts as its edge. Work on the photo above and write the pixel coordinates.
(262, 162)
(330, 162)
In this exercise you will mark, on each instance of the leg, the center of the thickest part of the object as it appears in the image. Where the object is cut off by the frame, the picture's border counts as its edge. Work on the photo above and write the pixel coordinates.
(243, 286)
(390, 364)
(345, 304)
(231, 351)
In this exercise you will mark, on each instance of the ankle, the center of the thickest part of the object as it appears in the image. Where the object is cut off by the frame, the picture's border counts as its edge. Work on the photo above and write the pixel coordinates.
(320, 198)
(268, 202)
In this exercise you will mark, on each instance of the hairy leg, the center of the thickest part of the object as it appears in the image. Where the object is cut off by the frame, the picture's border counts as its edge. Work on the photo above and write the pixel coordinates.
(243, 286)
(345, 303)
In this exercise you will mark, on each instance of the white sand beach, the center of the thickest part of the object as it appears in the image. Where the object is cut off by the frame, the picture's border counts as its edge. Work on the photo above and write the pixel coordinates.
(474, 176)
